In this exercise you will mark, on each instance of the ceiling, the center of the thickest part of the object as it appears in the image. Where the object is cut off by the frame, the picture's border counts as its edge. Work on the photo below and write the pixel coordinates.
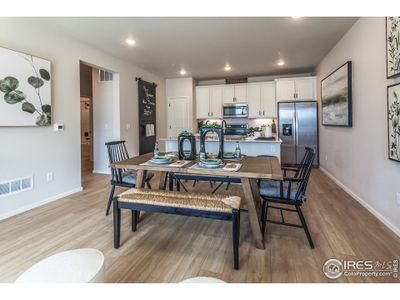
(203, 46)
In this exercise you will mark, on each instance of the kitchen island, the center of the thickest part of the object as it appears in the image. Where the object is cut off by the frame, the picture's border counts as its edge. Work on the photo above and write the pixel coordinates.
(249, 147)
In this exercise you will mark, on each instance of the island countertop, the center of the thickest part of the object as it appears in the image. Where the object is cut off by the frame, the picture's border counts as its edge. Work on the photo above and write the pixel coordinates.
(232, 140)
(250, 147)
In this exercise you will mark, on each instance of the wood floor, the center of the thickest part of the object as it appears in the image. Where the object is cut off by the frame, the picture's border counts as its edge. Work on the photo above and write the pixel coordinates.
(168, 248)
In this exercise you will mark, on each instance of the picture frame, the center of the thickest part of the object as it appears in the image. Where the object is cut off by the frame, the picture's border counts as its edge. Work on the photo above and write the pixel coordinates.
(336, 97)
(392, 30)
(393, 117)
(25, 89)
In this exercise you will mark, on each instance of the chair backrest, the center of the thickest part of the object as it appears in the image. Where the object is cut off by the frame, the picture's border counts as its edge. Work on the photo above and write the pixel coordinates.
(116, 152)
(302, 166)
(308, 165)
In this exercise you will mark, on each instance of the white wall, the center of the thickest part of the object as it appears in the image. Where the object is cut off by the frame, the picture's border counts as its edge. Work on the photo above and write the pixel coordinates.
(103, 121)
(36, 151)
(358, 157)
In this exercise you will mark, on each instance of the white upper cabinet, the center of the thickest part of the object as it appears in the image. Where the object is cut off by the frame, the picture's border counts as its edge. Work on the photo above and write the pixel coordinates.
(216, 102)
(240, 93)
(254, 100)
(296, 89)
(285, 90)
(232, 93)
(261, 100)
(305, 89)
(228, 93)
(268, 100)
(208, 102)
(202, 102)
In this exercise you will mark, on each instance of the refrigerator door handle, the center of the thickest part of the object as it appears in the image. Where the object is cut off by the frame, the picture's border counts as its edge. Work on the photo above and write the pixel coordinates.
(294, 128)
(297, 127)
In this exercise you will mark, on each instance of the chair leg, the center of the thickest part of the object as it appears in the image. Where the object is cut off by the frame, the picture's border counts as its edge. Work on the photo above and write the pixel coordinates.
(110, 199)
(148, 184)
(117, 223)
(264, 216)
(135, 219)
(194, 183)
(227, 186)
(178, 186)
(171, 183)
(235, 237)
(303, 222)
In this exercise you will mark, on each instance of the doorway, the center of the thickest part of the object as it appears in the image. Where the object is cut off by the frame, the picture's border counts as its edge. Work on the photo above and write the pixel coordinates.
(86, 111)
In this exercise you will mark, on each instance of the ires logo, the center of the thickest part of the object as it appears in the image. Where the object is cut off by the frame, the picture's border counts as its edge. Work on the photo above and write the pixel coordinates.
(334, 268)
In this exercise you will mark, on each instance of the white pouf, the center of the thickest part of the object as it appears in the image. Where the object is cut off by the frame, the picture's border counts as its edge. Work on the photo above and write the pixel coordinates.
(72, 266)
(202, 280)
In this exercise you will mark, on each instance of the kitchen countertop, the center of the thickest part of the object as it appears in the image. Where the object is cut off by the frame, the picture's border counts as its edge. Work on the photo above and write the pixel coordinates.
(231, 139)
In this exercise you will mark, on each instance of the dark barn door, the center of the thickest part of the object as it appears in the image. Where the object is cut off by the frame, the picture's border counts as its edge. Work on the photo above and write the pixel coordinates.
(147, 116)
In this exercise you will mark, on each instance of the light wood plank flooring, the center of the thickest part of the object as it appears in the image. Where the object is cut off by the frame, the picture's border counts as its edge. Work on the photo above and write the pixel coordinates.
(168, 248)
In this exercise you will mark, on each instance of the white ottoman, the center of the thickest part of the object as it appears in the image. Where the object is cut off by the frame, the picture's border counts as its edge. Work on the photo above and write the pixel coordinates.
(72, 266)
(202, 280)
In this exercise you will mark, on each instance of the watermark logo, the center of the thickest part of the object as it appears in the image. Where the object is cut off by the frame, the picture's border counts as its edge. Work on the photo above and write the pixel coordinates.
(333, 268)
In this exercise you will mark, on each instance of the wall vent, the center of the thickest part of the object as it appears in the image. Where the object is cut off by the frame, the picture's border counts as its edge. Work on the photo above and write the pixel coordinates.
(15, 186)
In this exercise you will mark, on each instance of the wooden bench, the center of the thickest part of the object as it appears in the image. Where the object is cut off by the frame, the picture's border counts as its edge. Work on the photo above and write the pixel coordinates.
(186, 204)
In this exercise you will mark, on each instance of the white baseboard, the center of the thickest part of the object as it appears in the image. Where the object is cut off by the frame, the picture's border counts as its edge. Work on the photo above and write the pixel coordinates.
(39, 203)
(372, 210)
(107, 172)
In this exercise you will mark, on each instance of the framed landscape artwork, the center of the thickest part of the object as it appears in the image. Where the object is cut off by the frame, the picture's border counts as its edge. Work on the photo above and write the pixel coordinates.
(392, 47)
(393, 105)
(25, 89)
(336, 99)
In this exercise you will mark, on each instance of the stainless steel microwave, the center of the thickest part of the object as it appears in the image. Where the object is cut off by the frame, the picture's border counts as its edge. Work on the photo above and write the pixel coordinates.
(235, 110)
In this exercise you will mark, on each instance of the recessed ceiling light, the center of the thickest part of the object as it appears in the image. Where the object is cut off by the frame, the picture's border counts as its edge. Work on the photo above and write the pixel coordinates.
(227, 68)
(182, 72)
(296, 17)
(281, 63)
(130, 42)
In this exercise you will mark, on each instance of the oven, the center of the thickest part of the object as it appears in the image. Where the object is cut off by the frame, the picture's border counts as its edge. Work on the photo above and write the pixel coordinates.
(235, 110)
(236, 129)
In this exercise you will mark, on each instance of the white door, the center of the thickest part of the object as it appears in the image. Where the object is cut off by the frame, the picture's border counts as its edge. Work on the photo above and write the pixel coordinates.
(305, 88)
(178, 116)
(202, 102)
(215, 102)
(285, 90)
(268, 101)
(240, 93)
(254, 100)
(228, 93)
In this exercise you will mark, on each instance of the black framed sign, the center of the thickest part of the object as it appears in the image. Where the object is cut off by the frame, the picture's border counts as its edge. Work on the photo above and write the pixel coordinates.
(392, 47)
(393, 115)
(336, 97)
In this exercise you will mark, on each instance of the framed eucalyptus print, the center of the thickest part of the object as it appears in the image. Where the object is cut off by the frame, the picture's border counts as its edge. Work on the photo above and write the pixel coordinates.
(392, 47)
(393, 106)
(25, 89)
(336, 97)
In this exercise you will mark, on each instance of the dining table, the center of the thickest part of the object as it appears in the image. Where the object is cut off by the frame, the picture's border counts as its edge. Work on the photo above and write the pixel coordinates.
(252, 169)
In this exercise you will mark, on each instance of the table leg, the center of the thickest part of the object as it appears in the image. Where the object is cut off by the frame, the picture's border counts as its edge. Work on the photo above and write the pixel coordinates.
(163, 181)
(140, 178)
(253, 201)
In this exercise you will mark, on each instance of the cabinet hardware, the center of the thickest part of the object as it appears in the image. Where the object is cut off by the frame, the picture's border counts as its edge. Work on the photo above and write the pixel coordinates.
(263, 113)
(208, 113)
(259, 112)
(212, 113)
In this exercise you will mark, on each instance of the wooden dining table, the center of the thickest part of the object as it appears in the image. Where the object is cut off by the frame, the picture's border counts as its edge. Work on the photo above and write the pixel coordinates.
(252, 169)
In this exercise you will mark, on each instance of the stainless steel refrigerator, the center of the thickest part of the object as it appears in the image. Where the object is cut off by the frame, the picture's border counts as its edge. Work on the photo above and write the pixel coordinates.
(298, 128)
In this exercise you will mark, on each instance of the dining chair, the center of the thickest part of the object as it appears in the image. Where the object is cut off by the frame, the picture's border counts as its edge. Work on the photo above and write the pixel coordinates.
(121, 177)
(289, 191)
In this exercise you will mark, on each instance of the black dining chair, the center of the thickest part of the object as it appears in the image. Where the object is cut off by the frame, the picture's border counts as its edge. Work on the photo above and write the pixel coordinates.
(289, 191)
(121, 177)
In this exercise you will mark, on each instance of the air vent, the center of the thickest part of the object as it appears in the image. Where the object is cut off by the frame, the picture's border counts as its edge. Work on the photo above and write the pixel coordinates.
(15, 186)
(105, 76)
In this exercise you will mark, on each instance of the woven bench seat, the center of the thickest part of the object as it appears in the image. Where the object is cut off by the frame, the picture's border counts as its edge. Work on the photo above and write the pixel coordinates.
(204, 202)
(187, 204)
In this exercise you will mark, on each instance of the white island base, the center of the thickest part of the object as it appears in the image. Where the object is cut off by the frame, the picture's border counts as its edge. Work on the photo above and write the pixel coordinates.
(247, 147)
